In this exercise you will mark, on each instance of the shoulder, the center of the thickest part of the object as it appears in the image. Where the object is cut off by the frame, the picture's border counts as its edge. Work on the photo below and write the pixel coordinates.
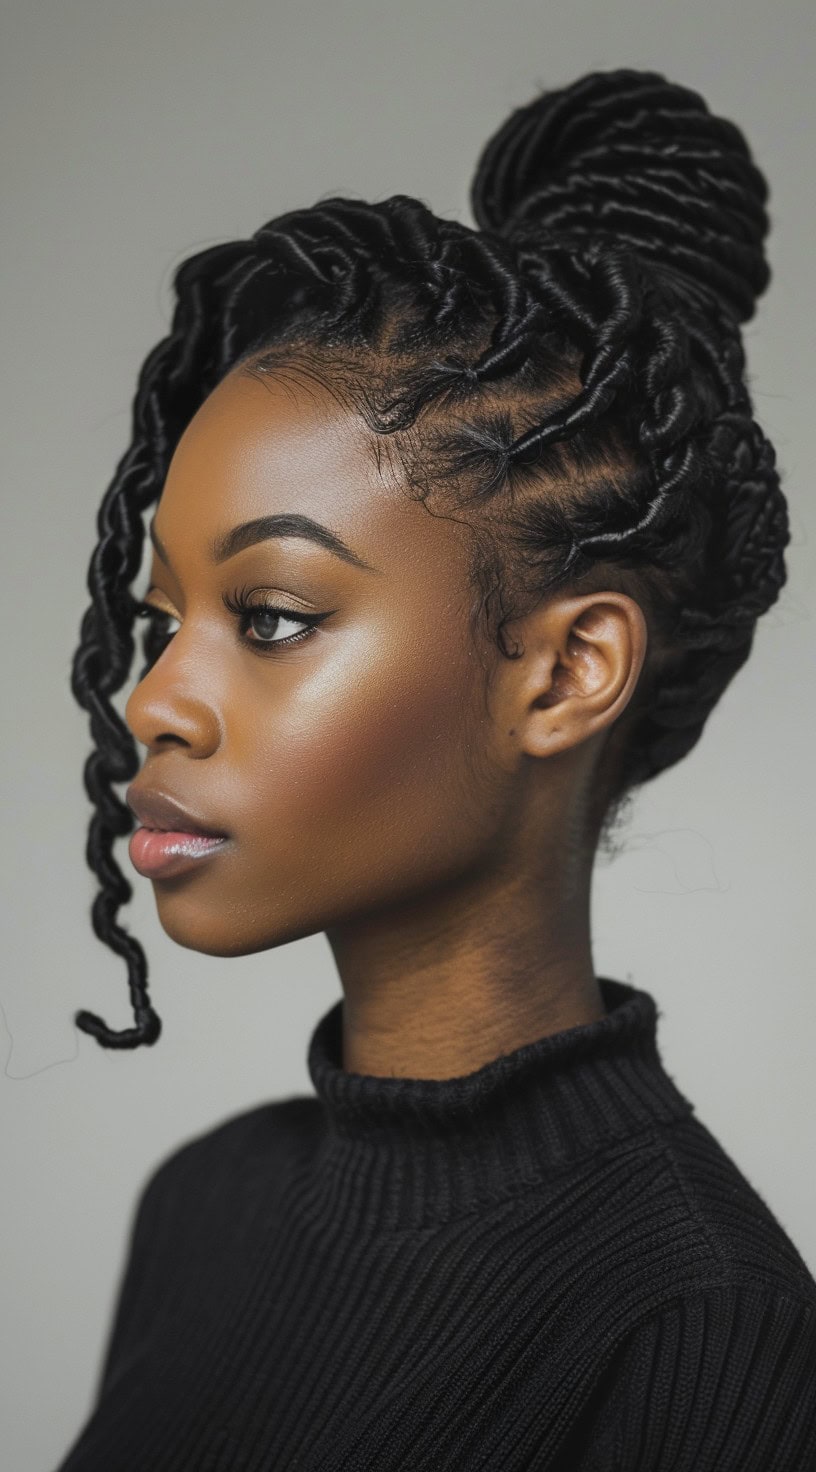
(720, 1380)
(744, 1241)
(213, 1161)
(707, 1320)
(670, 1212)
(657, 1218)
(195, 1204)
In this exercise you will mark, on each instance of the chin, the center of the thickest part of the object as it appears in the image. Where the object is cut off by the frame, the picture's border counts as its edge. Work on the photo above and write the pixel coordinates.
(222, 931)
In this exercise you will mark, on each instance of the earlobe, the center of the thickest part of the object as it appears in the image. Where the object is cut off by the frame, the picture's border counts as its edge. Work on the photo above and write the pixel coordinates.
(581, 662)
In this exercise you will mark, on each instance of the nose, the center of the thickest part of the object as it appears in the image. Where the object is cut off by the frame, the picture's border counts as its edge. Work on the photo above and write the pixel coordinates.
(169, 706)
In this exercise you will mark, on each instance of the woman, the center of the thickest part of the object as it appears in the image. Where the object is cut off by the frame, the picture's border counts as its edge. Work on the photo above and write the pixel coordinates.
(459, 536)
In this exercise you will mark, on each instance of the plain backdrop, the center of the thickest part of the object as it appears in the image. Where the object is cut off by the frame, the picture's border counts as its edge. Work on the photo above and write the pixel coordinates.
(133, 135)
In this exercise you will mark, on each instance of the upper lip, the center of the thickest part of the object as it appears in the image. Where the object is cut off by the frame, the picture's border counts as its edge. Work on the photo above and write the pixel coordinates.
(156, 809)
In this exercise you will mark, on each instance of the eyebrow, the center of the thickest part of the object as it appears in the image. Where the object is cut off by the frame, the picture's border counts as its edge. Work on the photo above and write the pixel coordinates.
(262, 529)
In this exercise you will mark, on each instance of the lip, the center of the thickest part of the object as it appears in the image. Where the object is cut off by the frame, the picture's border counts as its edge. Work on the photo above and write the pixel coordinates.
(156, 809)
(159, 855)
(171, 840)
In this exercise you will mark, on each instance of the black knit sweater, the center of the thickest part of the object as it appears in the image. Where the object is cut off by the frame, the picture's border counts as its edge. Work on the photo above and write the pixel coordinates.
(548, 1263)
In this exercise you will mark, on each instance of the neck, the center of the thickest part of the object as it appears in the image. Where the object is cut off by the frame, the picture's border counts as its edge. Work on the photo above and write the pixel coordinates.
(447, 983)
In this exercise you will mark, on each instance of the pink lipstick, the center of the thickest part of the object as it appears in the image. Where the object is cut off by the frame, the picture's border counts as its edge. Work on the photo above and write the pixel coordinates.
(172, 839)
(160, 855)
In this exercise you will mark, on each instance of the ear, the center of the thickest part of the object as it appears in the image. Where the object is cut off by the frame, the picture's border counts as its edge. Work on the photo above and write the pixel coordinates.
(578, 668)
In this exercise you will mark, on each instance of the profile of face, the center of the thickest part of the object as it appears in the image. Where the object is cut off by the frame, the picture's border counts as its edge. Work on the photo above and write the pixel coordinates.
(343, 742)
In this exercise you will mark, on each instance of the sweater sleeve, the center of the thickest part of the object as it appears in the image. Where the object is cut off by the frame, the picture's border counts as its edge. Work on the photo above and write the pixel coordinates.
(724, 1381)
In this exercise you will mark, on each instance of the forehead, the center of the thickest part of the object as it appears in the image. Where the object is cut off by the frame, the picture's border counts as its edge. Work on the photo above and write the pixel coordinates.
(283, 444)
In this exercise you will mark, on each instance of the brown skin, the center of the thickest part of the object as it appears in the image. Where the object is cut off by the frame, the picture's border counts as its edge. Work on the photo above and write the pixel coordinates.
(369, 787)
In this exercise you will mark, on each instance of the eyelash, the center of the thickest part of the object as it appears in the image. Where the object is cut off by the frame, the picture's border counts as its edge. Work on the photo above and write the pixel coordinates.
(237, 603)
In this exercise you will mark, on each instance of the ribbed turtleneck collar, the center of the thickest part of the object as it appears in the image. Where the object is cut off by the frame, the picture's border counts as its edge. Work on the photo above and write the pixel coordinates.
(405, 1152)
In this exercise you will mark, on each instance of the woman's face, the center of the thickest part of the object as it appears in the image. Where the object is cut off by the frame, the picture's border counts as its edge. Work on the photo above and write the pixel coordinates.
(349, 762)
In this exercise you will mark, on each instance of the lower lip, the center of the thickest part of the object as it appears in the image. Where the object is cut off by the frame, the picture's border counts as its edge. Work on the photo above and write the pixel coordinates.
(155, 854)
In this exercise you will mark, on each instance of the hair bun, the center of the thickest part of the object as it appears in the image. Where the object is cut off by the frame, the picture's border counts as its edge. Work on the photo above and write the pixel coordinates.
(629, 155)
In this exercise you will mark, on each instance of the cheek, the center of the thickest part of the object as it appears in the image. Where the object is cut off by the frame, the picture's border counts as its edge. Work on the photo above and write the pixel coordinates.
(369, 756)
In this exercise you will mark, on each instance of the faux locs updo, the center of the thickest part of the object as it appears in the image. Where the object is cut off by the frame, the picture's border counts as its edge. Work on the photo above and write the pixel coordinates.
(570, 376)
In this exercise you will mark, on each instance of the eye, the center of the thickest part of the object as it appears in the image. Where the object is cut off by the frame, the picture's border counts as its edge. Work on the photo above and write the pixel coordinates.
(264, 625)
(157, 634)
(259, 625)
(161, 620)
(264, 620)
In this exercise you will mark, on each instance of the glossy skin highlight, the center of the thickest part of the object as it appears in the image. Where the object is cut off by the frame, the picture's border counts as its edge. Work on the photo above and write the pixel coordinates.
(386, 779)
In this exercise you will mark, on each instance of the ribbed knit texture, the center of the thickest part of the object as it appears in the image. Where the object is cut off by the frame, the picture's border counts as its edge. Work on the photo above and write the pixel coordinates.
(548, 1263)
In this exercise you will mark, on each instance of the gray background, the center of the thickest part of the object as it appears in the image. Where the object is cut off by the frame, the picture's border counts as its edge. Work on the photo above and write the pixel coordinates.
(133, 135)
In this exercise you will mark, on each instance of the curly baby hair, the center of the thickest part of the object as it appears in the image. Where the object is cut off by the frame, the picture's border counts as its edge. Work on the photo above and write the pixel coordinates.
(571, 373)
